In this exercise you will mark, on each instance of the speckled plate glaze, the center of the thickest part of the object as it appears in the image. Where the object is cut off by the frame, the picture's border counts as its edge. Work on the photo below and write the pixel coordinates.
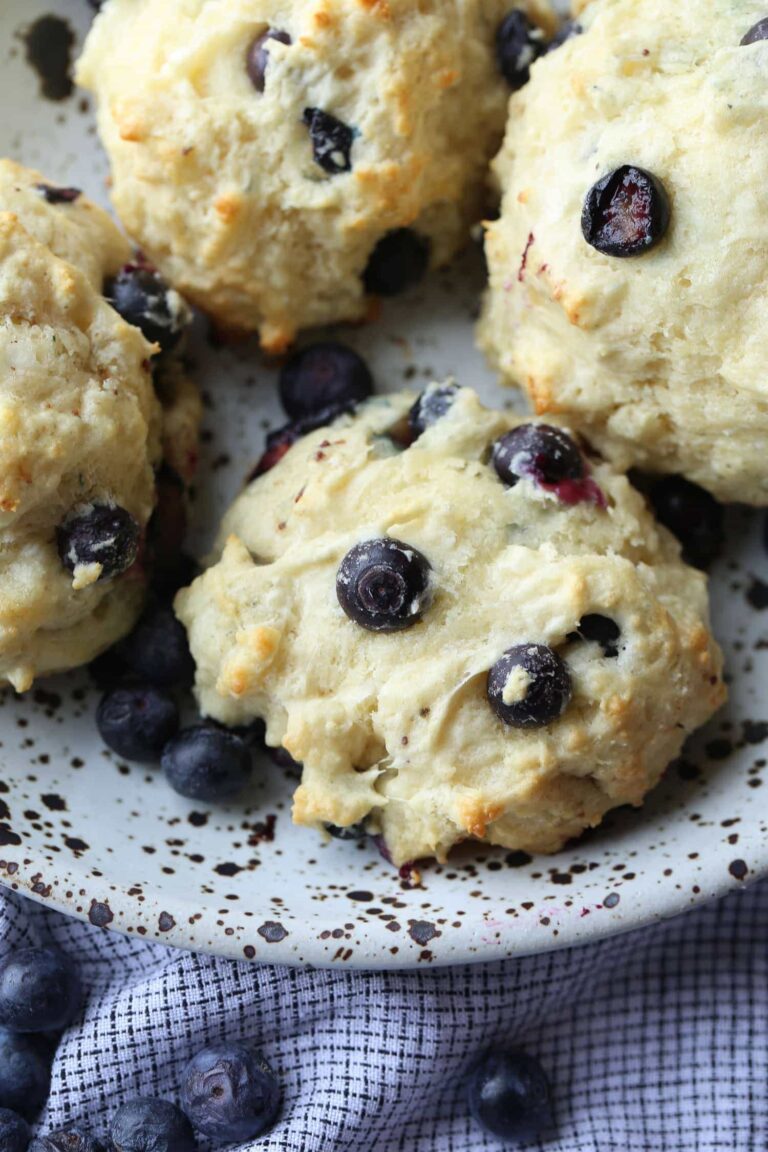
(112, 844)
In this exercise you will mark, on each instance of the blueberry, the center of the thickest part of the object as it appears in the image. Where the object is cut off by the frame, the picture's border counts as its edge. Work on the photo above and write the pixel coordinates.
(14, 1131)
(545, 454)
(257, 56)
(509, 1095)
(757, 32)
(399, 260)
(281, 439)
(322, 376)
(691, 514)
(166, 533)
(529, 687)
(518, 43)
(599, 630)
(107, 670)
(40, 990)
(350, 832)
(53, 195)
(431, 406)
(143, 298)
(626, 213)
(157, 650)
(25, 1073)
(102, 534)
(384, 585)
(206, 763)
(72, 1139)
(230, 1093)
(331, 141)
(565, 32)
(137, 722)
(149, 1125)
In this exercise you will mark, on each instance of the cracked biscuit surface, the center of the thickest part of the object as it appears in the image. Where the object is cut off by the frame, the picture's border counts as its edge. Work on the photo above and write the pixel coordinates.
(659, 356)
(612, 660)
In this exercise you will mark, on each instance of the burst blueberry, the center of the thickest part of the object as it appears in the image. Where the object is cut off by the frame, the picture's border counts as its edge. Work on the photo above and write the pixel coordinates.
(137, 722)
(321, 377)
(207, 763)
(150, 1125)
(509, 1095)
(540, 452)
(281, 439)
(331, 141)
(40, 990)
(399, 260)
(71, 1139)
(431, 406)
(518, 44)
(14, 1131)
(25, 1073)
(693, 515)
(157, 651)
(384, 585)
(143, 298)
(103, 534)
(626, 213)
(257, 56)
(529, 687)
(230, 1093)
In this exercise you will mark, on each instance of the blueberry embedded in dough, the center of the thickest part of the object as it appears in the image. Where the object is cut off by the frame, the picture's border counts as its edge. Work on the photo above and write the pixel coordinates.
(331, 141)
(399, 260)
(529, 686)
(384, 585)
(257, 56)
(626, 213)
(53, 195)
(142, 297)
(756, 33)
(97, 542)
(519, 42)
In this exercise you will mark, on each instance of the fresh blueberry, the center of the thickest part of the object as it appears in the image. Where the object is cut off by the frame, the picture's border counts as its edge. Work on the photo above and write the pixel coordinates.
(321, 376)
(545, 454)
(518, 43)
(72, 1139)
(600, 630)
(40, 990)
(25, 1073)
(757, 32)
(384, 585)
(509, 1095)
(149, 1125)
(331, 141)
(143, 298)
(207, 763)
(137, 722)
(257, 56)
(691, 514)
(102, 534)
(157, 651)
(54, 195)
(14, 1131)
(529, 687)
(626, 212)
(431, 406)
(399, 260)
(230, 1093)
(281, 439)
(350, 832)
(107, 670)
(565, 32)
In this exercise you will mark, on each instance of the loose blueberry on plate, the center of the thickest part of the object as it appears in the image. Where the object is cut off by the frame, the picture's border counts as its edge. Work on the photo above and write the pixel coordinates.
(510, 1096)
(143, 298)
(540, 452)
(53, 195)
(384, 585)
(600, 630)
(529, 687)
(137, 722)
(25, 1073)
(40, 990)
(431, 406)
(399, 260)
(331, 141)
(626, 213)
(157, 650)
(72, 1139)
(207, 763)
(149, 1125)
(322, 376)
(518, 43)
(350, 832)
(757, 32)
(14, 1131)
(102, 534)
(257, 56)
(230, 1093)
(691, 514)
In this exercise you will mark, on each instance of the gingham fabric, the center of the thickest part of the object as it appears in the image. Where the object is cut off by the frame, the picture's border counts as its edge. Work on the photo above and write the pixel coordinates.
(655, 1041)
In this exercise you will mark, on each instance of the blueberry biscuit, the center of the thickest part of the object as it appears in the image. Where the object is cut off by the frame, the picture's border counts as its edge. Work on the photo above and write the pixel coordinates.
(283, 160)
(462, 624)
(628, 268)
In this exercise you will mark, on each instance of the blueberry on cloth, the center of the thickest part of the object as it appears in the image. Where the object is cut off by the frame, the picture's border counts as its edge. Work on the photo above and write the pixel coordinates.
(71, 1139)
(545, 454)
(14, 1131)
(157, 650)
(143, 298)
(384, 584)
(626, 213)
(331, 141)
(257, 56)
(137, 722)
(510, 1096)
(398, 261)
(230, 1093)
(102, 534)
(207, 763)
(518, 43)
(431, 406)
(40, 990)
(150, 1125)
(322, 376)
(691, 514)
(25, 1073)
(529, 687)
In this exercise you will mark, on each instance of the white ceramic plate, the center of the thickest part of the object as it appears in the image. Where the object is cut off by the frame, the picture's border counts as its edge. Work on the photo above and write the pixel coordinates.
(111, 843)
